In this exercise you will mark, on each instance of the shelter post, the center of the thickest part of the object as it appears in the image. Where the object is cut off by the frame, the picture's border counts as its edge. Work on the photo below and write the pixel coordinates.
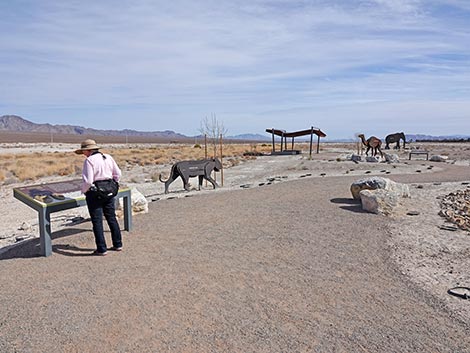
(221, 162)
(205, 152)
(311, 141)
(274, 146)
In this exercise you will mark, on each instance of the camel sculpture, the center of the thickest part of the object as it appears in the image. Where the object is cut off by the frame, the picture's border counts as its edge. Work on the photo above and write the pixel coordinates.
(395, 138)
(373, 143)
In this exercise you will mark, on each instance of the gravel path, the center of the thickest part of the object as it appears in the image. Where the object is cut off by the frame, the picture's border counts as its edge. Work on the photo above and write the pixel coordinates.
(289, 267)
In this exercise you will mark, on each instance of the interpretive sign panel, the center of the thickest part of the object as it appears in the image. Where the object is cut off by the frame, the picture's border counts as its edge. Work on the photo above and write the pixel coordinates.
(60, 196)
(51, 193)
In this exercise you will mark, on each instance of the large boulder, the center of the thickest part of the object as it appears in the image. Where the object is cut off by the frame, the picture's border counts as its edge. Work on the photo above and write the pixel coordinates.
(379, 201)
(139, 203)
(373, 183)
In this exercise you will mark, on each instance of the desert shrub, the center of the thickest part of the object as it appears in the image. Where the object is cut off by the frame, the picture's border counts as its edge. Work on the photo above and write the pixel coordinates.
(64, 172)
(252, 153)
(197, 146)
(231, 162)
(23, 173)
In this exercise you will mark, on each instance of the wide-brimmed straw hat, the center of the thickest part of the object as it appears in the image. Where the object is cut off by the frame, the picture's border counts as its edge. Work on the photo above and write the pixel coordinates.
(87, 145)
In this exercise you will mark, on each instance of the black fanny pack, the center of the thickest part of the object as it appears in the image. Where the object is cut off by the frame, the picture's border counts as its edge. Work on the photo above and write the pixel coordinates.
(106, 189)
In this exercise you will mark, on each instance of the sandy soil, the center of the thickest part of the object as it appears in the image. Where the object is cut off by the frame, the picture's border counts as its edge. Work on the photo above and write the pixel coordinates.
(428, 260)
(21, 223)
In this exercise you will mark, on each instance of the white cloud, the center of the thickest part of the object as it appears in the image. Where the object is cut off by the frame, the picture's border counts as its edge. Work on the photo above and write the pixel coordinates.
(253, 63)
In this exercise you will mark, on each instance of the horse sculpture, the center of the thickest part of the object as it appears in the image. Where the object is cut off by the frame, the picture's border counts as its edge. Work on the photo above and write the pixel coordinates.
(373, 143)
(395, 138)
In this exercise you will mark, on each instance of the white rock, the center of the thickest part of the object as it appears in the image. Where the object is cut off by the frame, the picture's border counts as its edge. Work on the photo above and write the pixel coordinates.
(379, 201)
(349, 157)
(138, 202)
(438, 158)
(375, 182)
(391, 158)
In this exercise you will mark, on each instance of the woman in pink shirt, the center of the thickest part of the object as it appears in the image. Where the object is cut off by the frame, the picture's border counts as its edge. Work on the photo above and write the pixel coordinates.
(100, 166)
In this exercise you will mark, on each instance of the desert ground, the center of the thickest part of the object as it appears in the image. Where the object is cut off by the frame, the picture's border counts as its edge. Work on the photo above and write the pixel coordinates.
(266, 257)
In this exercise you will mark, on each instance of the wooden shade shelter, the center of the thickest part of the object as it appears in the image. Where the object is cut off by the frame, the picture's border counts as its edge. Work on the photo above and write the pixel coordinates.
(284, 135)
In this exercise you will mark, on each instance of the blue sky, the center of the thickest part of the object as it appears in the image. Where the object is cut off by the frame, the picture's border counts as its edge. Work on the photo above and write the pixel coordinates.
(371, 66)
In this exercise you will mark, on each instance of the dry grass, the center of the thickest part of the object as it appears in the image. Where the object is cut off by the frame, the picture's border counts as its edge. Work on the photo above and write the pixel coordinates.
(168, 154)
(32, 166)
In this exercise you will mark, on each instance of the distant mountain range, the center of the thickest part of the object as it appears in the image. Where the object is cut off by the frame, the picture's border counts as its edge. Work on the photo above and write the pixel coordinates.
(420, 137)
(16, 123)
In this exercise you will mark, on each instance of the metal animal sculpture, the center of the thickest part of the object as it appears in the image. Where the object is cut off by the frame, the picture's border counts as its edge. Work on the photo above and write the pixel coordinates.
(395, 138)
(189, 169)
(373, 143)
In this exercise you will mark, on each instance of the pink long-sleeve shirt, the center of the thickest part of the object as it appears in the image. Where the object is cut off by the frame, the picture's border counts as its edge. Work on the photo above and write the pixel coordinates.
(96, 167)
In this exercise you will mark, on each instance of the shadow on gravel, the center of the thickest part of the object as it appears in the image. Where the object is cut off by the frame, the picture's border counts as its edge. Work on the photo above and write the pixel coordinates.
(352, 204)
(71, 250)
(27, 249)
(345, 200)
(32, 248)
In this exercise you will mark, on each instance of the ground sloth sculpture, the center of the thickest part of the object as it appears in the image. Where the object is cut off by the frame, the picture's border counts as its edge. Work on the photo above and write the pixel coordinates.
(189, 169)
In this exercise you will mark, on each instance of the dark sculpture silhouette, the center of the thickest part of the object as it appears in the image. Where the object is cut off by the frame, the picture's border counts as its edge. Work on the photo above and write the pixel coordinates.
(395, 138)
(196, 168)
(373, 143)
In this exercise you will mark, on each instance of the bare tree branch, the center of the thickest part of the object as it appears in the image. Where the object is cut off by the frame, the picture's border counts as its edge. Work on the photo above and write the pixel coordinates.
(213, 129)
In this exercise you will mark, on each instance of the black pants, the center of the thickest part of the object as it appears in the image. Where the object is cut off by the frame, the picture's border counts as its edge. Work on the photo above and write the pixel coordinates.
(97, 208)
